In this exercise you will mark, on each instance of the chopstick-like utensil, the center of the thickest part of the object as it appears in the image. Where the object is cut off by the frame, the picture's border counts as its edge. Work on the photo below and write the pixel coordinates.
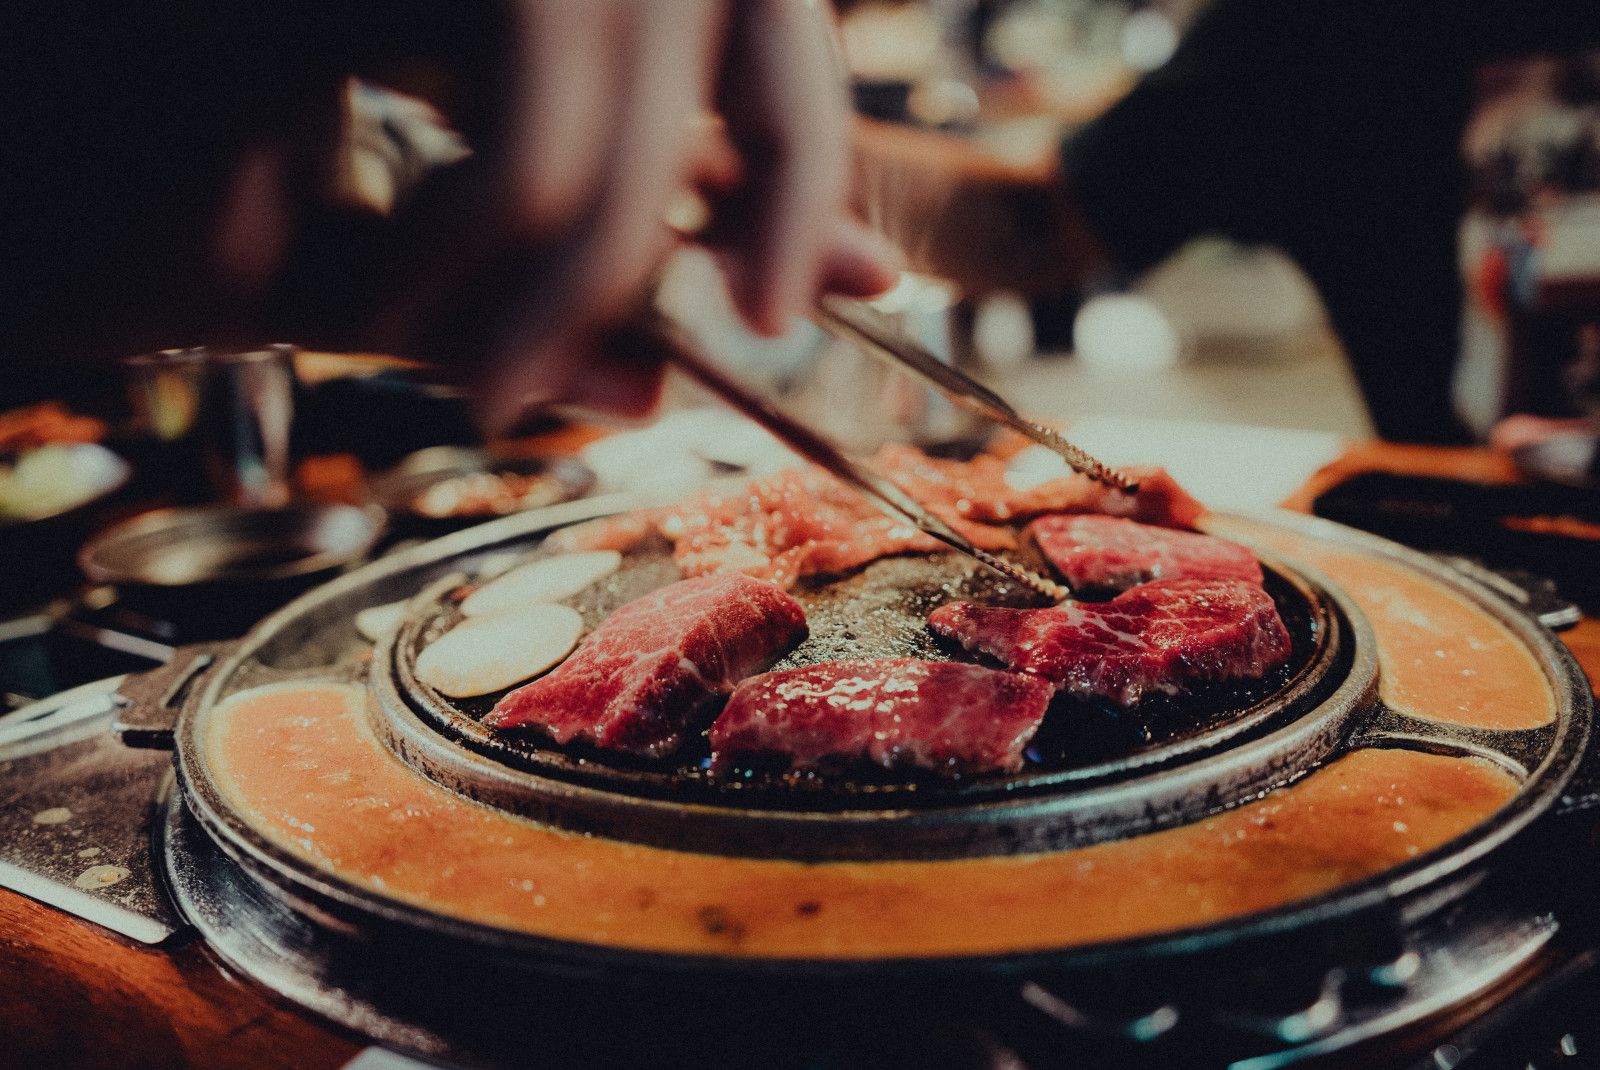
(656, 331)
(870, 331)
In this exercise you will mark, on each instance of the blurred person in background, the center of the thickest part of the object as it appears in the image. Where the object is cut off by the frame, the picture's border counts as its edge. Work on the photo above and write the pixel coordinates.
(1329, 128)
(171, 180)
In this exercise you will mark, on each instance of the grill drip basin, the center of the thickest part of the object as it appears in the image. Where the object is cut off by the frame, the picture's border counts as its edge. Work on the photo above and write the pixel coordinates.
(1093, 774)
(1432, 932)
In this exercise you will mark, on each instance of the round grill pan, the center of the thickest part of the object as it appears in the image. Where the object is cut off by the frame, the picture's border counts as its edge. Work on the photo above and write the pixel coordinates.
(1092, 775)
(313, 638)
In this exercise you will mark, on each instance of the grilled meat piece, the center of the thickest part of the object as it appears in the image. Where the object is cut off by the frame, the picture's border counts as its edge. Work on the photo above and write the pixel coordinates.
(942, 716)
(976, 491)
(1159, 636)
(795, 523)
(1108, 553)
(639, 680)
(802, 521)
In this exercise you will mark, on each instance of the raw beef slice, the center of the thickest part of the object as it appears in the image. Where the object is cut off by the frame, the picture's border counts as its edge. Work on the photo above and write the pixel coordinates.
(1108, 552)
(947, 717)
(1158, 636)
(639, 680)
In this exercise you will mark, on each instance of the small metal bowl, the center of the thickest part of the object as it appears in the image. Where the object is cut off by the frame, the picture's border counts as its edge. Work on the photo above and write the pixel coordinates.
(216, 570)
(182, 547)
(401, 490)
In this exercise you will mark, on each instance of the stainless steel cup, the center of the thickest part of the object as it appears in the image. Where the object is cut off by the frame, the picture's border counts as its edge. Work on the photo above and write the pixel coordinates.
(233, 408)
(164, 388)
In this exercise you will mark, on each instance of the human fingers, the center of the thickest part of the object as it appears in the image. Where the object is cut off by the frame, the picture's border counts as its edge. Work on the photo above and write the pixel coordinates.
(544, 350)
(656, 146)
(858, 261)
(563, 98)
(592, 368)
(784, 100)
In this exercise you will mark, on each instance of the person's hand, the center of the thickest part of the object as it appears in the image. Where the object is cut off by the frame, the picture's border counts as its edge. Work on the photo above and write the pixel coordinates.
(604, 127)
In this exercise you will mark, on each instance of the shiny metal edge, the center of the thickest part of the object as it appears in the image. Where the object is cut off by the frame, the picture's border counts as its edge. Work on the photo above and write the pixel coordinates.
(136, 926)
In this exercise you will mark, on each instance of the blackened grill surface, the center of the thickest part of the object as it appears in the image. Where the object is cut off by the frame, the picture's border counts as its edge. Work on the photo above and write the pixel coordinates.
(881, 612)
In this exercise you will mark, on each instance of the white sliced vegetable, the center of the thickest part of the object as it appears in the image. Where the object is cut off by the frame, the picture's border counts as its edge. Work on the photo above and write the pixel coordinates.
(547, 580)
(375, 622)
(485, 654)
(492, 565)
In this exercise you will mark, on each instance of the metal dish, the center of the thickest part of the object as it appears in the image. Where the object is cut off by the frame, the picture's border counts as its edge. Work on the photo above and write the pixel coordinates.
(223, 544)
(219, 569)
(1402, 948)
(1090, 776)
(403, 490)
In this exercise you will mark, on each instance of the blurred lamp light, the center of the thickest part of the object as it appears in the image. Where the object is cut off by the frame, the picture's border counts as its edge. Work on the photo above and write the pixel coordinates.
(1124, 333)
(1002, 330)
(943, 102)
(1148, 39)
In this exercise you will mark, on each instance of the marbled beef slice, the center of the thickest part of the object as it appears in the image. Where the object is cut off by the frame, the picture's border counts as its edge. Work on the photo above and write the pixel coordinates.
(644, 675)
(1158, 636)
(942, 716)
(1105, 552)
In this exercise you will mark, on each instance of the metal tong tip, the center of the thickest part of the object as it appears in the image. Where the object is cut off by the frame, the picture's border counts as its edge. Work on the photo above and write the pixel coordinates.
(1082, 462)
(873, 333)
(675, 346)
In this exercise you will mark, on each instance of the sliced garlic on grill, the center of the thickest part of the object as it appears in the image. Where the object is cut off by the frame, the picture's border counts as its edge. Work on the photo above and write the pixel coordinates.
(548, 580)
(484, 654)
(375, 622)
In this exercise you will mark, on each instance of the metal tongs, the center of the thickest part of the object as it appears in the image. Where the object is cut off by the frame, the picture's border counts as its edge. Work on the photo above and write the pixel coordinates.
(655, 330)
(872, 332)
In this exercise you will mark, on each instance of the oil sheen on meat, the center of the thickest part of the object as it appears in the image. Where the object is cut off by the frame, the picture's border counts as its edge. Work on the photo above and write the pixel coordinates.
(942, 716)
(646, 674)
(1109, 553)
(1159, 636)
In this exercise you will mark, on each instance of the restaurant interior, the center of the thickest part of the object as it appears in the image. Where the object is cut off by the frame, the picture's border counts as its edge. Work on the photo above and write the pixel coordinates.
(1200, 264)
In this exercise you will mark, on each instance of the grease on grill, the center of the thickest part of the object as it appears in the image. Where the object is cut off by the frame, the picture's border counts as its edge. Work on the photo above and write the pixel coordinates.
(881, 612)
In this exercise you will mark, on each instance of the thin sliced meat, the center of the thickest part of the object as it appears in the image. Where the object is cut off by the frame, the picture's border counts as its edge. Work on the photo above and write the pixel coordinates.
(968, 491)
(621, 532)
(942, 716)
(1159, 499)
(1159, 636)
(976, 491)
(802, 522)
(1100, 552)
(797, 522)
(642, 678)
